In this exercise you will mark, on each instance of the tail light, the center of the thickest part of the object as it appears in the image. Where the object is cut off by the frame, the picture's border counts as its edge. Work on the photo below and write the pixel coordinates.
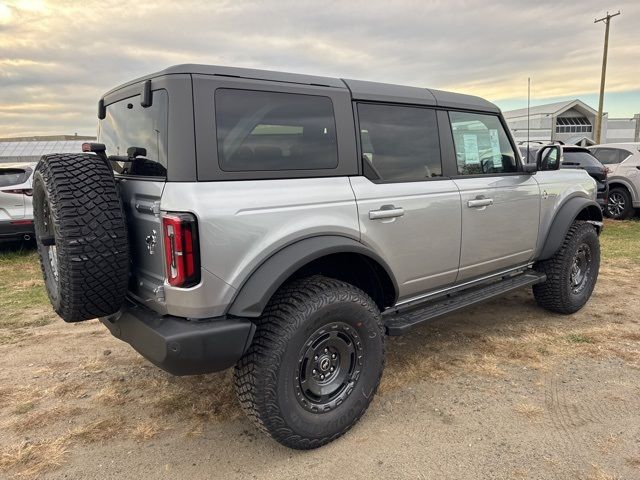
(180, 231)
(20, 191)
(607, 171)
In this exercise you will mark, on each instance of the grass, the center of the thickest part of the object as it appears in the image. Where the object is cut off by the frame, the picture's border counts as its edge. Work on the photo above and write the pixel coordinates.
(23, 298)
(63, 415)
(621, 240)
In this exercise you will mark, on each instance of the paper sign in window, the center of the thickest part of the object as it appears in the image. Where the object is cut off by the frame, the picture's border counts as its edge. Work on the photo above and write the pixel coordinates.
(471, 153)
(495, 146)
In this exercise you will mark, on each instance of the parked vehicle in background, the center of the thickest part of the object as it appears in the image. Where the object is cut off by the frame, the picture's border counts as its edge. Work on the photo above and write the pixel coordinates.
(574, 156)
(16, 210)
(623, 161)
(285, 224)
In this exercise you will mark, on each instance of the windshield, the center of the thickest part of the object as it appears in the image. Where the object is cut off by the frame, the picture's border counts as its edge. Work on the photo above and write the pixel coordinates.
(13, 176)
(128, 124)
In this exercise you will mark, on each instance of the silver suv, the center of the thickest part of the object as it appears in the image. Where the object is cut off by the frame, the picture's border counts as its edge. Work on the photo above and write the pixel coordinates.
(285, 224)
(623, 162)
(16, 212)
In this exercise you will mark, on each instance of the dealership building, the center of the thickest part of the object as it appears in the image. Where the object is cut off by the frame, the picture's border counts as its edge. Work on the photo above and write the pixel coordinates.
(571, 122)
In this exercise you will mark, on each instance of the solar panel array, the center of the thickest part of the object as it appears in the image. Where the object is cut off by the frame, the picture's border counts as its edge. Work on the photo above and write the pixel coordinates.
(11, 152)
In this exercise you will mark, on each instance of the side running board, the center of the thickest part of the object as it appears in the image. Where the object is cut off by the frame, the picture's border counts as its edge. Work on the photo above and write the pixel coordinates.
(402, 322)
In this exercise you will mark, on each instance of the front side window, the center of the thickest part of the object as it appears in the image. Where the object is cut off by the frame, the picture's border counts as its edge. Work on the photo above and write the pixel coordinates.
(482, 145)
(267, 131)
(400, 144)
(127, 124)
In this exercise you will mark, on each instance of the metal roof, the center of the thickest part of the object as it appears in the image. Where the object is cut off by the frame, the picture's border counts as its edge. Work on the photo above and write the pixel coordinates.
(360, 90)
(11, 152)
(548, 109)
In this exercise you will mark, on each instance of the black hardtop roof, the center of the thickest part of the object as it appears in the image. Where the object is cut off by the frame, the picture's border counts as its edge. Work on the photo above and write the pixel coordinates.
(360, 90)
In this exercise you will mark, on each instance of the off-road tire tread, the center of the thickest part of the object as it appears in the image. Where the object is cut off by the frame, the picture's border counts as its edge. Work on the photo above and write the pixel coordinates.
(90, 232)
(255, 374)
(552, 294)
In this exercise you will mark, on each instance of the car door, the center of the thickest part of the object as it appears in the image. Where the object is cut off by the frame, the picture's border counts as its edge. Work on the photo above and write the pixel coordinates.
(408, 211)
(500, 203)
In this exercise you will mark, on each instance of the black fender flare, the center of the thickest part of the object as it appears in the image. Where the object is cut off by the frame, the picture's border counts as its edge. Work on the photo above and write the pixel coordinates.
(252, 297)
(564, 218)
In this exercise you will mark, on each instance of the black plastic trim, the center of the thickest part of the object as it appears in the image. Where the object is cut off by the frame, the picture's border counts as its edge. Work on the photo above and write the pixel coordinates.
(12, 230)
(561, 223)
(256, 292)
(181, 346)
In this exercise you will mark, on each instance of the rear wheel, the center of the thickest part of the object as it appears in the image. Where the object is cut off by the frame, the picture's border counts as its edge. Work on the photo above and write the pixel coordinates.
(619, 205)
(572, 272)
(314, 364)
(81, 235)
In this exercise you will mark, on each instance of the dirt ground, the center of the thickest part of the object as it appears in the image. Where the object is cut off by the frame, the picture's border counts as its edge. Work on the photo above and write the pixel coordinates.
(504, 390)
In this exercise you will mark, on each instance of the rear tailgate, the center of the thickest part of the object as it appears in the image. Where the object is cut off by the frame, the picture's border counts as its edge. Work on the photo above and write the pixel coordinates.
(141, 199)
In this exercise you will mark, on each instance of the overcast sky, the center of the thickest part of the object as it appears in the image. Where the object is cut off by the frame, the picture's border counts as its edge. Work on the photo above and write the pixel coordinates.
(57, 57)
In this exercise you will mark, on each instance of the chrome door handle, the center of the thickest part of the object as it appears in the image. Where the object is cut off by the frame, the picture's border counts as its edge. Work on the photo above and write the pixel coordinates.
(386, 211)
(480, 202)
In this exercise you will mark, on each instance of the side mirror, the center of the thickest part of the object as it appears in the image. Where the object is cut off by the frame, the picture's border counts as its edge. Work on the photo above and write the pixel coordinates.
(530, 168)
(549, 157)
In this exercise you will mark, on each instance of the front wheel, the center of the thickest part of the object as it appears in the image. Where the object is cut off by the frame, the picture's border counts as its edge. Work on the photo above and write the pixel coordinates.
(315, 362)
(572, 272)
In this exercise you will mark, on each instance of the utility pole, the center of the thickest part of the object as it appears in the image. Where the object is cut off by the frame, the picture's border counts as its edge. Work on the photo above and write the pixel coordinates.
(606, 20)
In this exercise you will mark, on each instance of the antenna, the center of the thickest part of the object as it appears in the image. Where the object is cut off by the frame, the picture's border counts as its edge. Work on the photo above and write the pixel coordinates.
(528, 107)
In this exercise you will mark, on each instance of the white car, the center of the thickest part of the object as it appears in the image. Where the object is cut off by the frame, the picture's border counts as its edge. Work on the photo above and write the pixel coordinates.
(623, 162)
(16, 210)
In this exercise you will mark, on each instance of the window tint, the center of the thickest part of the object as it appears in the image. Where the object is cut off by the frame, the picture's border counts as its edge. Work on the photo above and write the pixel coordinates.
(128, 124)
(400, 143)
(260, 131)
(482, 146)
(610, 156)
(13, 176)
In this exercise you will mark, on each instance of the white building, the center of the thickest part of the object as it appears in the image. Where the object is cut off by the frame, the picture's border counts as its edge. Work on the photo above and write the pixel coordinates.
(571, 122)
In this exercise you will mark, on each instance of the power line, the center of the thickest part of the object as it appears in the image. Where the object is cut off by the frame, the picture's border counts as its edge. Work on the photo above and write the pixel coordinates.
(606, 19)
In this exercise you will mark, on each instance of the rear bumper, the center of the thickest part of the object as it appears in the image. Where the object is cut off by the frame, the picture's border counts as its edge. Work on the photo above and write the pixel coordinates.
(10, 229)
(180, 346)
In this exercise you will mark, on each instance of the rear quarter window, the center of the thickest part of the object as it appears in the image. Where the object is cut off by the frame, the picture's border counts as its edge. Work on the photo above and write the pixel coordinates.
(273, 131)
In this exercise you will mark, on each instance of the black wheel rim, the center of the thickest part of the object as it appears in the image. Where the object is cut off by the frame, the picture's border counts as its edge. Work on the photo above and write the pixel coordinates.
(580, 268)
(51, 251)
(329, 366)
(616, 204)
(47, 249)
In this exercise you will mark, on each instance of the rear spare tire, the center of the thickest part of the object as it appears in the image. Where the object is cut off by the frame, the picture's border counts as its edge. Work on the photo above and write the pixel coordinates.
(81, 235)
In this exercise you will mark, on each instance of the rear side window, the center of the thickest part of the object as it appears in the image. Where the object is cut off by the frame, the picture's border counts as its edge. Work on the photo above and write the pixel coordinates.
(267, 131)
(400, 143)
(610, 156)
(579, 159)
(482, 145)
(13, 176)
(127, 124)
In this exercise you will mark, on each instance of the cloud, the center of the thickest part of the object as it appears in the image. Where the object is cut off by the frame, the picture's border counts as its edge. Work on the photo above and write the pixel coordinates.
(57, 58)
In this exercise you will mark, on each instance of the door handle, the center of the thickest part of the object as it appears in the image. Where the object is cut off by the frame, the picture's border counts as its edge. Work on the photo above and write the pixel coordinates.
(386, 211)
(480, 202)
